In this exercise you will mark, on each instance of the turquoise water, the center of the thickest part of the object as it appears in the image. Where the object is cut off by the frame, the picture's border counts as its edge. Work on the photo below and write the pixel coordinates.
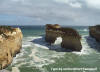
(38, 56)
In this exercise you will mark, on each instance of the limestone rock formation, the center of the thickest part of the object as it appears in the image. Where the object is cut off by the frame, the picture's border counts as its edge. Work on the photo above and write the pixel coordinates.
(10, 44)
(52, 32)
(70, 37)
(95, 32)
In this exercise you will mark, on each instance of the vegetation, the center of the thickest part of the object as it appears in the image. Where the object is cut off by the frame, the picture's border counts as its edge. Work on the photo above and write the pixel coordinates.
(4, 29)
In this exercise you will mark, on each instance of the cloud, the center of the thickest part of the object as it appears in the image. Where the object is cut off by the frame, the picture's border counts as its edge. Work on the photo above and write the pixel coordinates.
(73, 3)
(76, 5)
(93, 3)
(80, 3)
(16, 0)
(66, 12)
(63, 1)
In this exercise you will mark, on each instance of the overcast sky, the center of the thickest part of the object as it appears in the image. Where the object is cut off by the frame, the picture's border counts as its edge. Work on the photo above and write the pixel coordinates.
(41, 12)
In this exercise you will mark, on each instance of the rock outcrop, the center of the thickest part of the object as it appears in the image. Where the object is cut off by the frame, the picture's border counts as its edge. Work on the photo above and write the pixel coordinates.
(10, 44)
(70, 37)
(52, 32)
(95, 32)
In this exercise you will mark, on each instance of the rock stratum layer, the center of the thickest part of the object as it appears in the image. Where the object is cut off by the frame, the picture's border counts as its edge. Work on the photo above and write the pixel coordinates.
(10, 44)
(70, 37)
(95, 32)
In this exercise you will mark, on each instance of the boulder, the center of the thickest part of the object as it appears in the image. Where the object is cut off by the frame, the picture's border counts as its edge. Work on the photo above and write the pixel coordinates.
(70, 37)
(10, 44)
(94, 32)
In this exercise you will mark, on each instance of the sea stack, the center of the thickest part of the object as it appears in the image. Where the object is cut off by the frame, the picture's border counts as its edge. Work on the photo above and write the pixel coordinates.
(95, 32)
(70, 37)
(10, 44)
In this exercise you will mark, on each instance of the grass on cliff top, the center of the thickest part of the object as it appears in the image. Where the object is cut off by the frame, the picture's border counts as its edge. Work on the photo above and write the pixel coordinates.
(96, 28)
(4, 29)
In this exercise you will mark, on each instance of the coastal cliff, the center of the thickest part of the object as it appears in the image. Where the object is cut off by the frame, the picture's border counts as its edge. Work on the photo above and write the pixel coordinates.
(10, 44)
(95, 32)
(70, 37)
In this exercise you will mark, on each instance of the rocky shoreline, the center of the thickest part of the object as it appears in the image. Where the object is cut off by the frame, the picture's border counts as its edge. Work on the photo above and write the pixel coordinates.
(94, 32)
(70, 37)
(10, 44)
(11, 40)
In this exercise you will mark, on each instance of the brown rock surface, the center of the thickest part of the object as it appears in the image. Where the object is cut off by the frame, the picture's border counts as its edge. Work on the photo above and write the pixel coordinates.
(10, 44)
(51, 32)
(95, 32)
(70, 37)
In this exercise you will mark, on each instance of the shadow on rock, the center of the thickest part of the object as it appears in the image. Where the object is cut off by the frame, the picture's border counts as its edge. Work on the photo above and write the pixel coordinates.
(93, 43)
(55, 47)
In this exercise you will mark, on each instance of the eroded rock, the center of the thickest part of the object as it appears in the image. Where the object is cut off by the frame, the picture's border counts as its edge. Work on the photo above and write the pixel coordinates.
(70, 37)
(52, 32)
(95, 32)
(10, 44)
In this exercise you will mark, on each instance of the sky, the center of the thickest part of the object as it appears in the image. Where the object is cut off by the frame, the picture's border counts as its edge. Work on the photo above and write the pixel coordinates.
(41, 12)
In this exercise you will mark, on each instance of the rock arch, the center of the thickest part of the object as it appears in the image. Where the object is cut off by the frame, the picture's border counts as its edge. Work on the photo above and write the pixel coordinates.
(70, 37)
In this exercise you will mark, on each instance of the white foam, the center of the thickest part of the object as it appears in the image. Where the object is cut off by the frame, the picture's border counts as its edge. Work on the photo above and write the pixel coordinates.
(36, 59)
(85, 30)
(4, 70)
(15, 69)
(32, 38)
(58, 40)
(26, 45)
(85, 47)
(44, 58)
(39, 55)
(40, 46)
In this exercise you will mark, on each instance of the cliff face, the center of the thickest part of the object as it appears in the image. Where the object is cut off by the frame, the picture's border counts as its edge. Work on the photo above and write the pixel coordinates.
(52, 32)
(95, 32)
(10, 44)
(70, 37)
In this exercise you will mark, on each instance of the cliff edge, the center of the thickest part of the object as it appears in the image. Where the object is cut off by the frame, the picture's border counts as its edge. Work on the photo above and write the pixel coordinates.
(10, 44)
(70, 37)
(95, 32)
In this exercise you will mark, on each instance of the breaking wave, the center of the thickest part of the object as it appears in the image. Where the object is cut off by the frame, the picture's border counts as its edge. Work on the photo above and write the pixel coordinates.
(36, 52)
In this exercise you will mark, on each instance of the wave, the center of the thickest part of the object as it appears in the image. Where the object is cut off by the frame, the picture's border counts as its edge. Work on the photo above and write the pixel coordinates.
(85, 30)
(58, 40)
(36, 52)
(86, 49)
(15, 69)
(4, 70)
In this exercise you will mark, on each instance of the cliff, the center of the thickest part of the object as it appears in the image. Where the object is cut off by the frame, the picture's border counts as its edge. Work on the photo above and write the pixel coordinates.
(95, 32)
(10, 44)
(70, 37)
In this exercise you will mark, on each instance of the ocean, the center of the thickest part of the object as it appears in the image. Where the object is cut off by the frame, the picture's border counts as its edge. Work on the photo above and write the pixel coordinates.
(38, 56)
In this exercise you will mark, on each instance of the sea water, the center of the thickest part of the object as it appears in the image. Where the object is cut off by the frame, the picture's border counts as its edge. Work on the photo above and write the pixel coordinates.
(38, 56)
